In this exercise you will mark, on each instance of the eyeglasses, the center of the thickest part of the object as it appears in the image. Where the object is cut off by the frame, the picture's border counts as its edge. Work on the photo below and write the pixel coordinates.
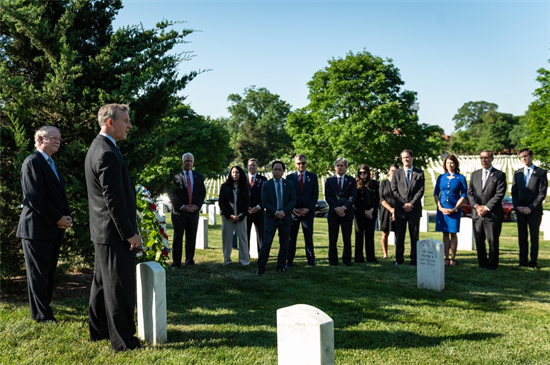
(362, 172)
(188, 161)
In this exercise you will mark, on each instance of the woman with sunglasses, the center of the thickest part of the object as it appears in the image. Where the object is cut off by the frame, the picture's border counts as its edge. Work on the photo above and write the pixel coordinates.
(387, 217)
(366, 214)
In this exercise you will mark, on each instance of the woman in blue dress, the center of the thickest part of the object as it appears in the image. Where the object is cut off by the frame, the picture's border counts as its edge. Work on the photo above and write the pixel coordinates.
(449, 194)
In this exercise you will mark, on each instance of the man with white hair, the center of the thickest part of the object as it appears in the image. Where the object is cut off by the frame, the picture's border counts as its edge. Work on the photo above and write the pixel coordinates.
(187, 196)
(43, 221)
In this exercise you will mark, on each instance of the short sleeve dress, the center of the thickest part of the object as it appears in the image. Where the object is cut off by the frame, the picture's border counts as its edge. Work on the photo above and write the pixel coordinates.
(386, 224)
(449, 189)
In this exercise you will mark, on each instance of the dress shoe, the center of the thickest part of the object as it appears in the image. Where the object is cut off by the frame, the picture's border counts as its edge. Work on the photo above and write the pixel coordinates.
(174, 266)
(289, 266)
(190, 262)
(398, 263)
(280, 270)
(534, 267)
(260, 271)
(412, 263)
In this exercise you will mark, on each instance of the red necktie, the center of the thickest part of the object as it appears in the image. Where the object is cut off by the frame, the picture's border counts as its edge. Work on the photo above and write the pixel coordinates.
(301, 183)
(340, 184)
(189, 190)
(251, 180)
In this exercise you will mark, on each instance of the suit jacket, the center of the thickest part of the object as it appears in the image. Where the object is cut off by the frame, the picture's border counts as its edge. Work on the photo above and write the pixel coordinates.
(111, 194)
(226, 198)
(44, 200)
(534, 193)
(308, 198)
(178, 194)
(269, 201)
(403, 194)
(255, 192)
(336, 198)
(491, 195)
(367, 199)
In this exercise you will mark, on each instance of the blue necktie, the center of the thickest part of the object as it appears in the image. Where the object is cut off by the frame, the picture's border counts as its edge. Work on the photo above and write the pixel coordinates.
(52, 164)
(280, 196)
(527, 177)
(408, 177)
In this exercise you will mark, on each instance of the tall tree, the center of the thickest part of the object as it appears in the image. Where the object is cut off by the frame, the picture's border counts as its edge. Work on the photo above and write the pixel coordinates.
(357, 110)
(59, 62)
(538, 120)
(257, 125)
(470, 114)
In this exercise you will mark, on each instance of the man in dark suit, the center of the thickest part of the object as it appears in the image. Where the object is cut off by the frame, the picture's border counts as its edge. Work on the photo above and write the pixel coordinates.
(340, 194)
(408, 189)
(256, 211)
(307, 193)
(485, 194)
(113, 230)
(528, 192)
(43, 221)
(279, 199)
(187, 196)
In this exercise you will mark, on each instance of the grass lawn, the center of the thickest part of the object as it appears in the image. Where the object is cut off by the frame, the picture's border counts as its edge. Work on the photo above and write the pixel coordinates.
(227, 315)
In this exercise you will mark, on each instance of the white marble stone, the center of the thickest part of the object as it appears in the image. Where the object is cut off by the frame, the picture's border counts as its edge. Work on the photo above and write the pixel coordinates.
(212, 214)
(465, 237)
(305, 335)
(545, 224)
(424, 222)
(204, 209)
(430, 269)
(391, 238)
(202, 234)
(151, 302)
(253, 244)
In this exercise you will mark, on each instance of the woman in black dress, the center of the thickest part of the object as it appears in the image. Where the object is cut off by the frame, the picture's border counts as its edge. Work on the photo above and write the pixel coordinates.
(387, 218)
(366, 213)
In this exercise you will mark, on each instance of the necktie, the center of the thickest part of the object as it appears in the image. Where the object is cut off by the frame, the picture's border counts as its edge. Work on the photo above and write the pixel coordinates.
(408, 177)
(301, 183)
(527, 177)
(189, 189)
(279, 196)
(52, 164)
(251, 180)
(484, 179)
(340, 184)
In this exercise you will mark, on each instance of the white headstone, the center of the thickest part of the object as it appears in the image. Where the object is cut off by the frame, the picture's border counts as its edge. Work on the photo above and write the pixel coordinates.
(253, 244)
(212, 215)
(430, 269)
(391, 238)
(305, 335)
(202, 234)
(204, 209)
(546, 224)
(465, 237)
(151, 302)
(424, 222)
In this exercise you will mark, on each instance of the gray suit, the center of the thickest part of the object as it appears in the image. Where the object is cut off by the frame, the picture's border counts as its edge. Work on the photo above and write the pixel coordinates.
(44, 204)
(112, 205)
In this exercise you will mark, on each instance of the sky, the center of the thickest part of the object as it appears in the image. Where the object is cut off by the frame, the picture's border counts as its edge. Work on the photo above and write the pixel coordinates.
(449, 52)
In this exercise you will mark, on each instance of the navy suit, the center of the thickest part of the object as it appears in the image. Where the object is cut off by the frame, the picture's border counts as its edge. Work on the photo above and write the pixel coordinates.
(113, 219)
(258, 219)
(490, 225)
(272, 224)
(44, 204)
(185, 221)
(403, 193)
(337, 198)
(304, 199)
(530, 196)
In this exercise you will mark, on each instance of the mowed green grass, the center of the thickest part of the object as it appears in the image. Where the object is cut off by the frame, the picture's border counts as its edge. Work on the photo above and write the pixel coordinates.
(227, 315)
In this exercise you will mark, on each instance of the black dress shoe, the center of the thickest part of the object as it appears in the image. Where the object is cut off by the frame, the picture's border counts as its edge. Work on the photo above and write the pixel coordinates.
(280, 270)
(412, 263)
(289, 266)
(397, 263)
(534, 267)
(190, 262)
(260, 271)
(176, 265)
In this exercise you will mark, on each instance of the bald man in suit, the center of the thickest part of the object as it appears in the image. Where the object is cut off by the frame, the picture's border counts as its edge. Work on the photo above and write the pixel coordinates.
(43, 221)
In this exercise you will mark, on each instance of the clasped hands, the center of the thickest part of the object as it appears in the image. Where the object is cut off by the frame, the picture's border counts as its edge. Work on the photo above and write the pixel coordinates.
(408, 207)
(65, 222)
(481, 210)
(524, 210)
(368, 213)
(190, 208)
(446, 211)
(301, 211)
(279, 214)
(341, 211)
(235, 218)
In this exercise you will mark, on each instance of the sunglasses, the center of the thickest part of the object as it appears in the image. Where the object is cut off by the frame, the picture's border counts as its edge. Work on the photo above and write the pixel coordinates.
(362, 172)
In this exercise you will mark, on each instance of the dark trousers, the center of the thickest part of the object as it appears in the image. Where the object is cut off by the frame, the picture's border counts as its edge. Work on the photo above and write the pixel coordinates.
(259, 221)
(364, 237)
(333, 230)
(307, 229)
(113, 297)
(188, 223)
(490, 231)
(531, 222)
(269, 234)
(401, 231)
(41, 261)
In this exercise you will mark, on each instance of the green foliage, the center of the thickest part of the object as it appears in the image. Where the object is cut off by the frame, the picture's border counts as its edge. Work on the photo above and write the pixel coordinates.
(479, 126)
(59, 62)
(257, 126)
(538, 120)
(357, 110)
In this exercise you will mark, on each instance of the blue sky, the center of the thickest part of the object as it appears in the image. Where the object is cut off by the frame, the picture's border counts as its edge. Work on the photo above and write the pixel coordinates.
(449, 52)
